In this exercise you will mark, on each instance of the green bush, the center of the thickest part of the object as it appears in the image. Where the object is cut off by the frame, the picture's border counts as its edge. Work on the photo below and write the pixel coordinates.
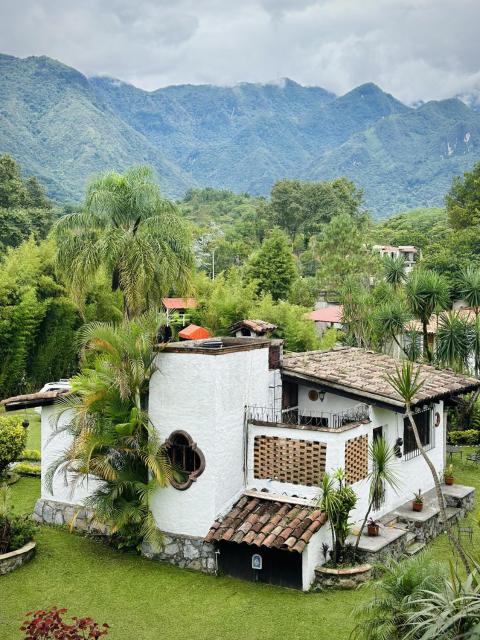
(30, 454)
(469, 437)
(22, 530)
(13, 438)
(27, 469)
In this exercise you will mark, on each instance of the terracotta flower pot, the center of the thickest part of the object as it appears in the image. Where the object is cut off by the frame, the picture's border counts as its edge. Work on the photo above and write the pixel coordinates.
(417, 506)
(449, 480)
(373, 530)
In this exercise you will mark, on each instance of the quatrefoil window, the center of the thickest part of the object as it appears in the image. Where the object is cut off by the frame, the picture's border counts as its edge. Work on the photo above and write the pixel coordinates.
(186, 458)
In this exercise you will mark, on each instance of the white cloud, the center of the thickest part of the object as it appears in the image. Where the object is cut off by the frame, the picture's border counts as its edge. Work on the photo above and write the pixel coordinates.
(415, 49)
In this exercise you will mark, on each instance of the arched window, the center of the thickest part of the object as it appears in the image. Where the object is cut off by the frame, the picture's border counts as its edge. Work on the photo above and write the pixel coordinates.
(186, 458)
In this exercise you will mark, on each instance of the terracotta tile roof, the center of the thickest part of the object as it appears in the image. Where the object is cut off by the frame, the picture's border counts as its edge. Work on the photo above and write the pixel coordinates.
(259, 326)
(363, 373)
(179, 303)
(194, 332)
(268, 523)
(328, 314)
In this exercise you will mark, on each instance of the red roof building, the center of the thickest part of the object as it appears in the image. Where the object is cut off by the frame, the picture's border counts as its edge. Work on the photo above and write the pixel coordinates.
(177, 304)
(328, 314)
(194, 332)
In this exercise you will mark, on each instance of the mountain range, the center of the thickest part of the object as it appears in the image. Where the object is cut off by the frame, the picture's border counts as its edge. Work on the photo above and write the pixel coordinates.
(63, 127)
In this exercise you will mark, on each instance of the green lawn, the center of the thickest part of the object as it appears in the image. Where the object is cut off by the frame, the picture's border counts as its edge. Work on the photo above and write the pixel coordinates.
(143, 600)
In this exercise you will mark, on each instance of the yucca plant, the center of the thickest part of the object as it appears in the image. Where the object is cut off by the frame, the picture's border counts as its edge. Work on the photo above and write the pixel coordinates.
(454, 341)
(383, 473)
(407, 383)
(394, 270)
(111, 438)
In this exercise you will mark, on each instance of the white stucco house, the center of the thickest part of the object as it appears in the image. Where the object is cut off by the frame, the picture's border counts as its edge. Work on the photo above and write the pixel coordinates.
(253, 431)
(409, 253)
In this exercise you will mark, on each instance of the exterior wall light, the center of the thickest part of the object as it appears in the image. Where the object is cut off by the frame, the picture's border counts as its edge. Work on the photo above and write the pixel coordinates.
(397, 447)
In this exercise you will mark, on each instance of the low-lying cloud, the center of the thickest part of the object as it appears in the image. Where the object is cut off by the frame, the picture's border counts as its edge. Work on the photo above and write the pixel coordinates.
(415, 49)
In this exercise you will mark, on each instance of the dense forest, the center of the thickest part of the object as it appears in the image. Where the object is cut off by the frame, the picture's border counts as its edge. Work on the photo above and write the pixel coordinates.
(264, 257)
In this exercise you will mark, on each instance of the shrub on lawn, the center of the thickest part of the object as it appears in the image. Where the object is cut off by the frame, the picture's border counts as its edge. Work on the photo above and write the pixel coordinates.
(30, 454)
(13, 438)
(470, 437)
(15, 531)
(28, 469)
(49, 625)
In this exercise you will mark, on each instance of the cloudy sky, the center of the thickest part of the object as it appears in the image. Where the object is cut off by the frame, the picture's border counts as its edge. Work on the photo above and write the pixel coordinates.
(415, 49)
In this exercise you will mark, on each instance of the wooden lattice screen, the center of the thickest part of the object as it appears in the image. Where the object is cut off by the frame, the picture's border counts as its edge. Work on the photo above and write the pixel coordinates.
(356, 459)
(288, 460)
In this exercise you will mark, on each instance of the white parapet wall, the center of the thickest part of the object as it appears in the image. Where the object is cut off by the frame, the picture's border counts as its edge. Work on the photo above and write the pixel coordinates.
(204, 395)
(54, 442)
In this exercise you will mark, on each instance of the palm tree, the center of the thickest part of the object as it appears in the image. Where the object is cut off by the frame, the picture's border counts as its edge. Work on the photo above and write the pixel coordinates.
(386, 615)
(129, 231)
(453, 341)
(394, 269)
(383, 460)
(468, 285)
(390, 319)
(111, 437)
(427, 293)
(407, 383)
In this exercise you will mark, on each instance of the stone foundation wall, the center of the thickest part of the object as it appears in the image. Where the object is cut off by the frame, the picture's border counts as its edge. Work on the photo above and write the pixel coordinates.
(62, 513)
(185, 552)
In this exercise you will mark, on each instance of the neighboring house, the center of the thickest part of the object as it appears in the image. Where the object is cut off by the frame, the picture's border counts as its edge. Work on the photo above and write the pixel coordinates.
(410, 253)
(254, 431)
(252, 328)
(327, 318)
(179, 307)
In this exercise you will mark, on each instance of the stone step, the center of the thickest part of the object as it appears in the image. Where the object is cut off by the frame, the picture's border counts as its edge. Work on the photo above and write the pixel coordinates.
(452, 512)
(410, 537)
(414, 548)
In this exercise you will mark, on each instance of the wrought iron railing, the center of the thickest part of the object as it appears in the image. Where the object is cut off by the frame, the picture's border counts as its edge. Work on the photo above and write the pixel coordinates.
(294, 415)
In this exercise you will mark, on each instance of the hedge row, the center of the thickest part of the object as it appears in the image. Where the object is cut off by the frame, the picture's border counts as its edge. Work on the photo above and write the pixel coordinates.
(469, 437)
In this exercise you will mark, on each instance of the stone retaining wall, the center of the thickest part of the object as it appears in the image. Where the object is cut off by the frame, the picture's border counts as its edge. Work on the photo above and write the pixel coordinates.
(185, 552)
(10, 561)
(351, 578)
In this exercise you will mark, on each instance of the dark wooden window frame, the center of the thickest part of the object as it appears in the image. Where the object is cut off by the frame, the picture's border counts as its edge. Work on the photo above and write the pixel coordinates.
(196, 459)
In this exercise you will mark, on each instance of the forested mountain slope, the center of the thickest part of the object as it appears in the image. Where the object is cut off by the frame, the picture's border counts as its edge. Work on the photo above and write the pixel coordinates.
(63, 127)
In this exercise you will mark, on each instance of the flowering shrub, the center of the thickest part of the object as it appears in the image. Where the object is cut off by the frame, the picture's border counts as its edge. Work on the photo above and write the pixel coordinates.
(49, 625)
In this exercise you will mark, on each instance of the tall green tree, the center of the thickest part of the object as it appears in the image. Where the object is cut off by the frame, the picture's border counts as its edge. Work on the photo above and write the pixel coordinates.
(427, 293)
(454, 341)
(13, 192)
(130, 231)
(463, 200)
(273, 266)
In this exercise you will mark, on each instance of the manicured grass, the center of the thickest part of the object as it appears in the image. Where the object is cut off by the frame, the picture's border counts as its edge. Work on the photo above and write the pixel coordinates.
(143, 600)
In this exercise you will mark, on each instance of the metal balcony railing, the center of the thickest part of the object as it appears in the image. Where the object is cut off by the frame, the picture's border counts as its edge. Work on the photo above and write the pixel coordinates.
(294, 415)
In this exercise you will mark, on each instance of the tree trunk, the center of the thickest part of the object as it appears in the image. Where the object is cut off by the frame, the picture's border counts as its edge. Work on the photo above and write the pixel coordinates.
(426, 347)
(454, 541)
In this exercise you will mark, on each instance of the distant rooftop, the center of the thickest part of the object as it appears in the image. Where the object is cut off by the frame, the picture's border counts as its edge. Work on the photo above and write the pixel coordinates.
(217, 345)
(327, 314)
(179, 303)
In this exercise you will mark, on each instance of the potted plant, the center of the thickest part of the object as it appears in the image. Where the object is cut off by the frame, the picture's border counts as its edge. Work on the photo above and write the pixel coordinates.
(417, 503)
(448, 475)
(373, 527)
